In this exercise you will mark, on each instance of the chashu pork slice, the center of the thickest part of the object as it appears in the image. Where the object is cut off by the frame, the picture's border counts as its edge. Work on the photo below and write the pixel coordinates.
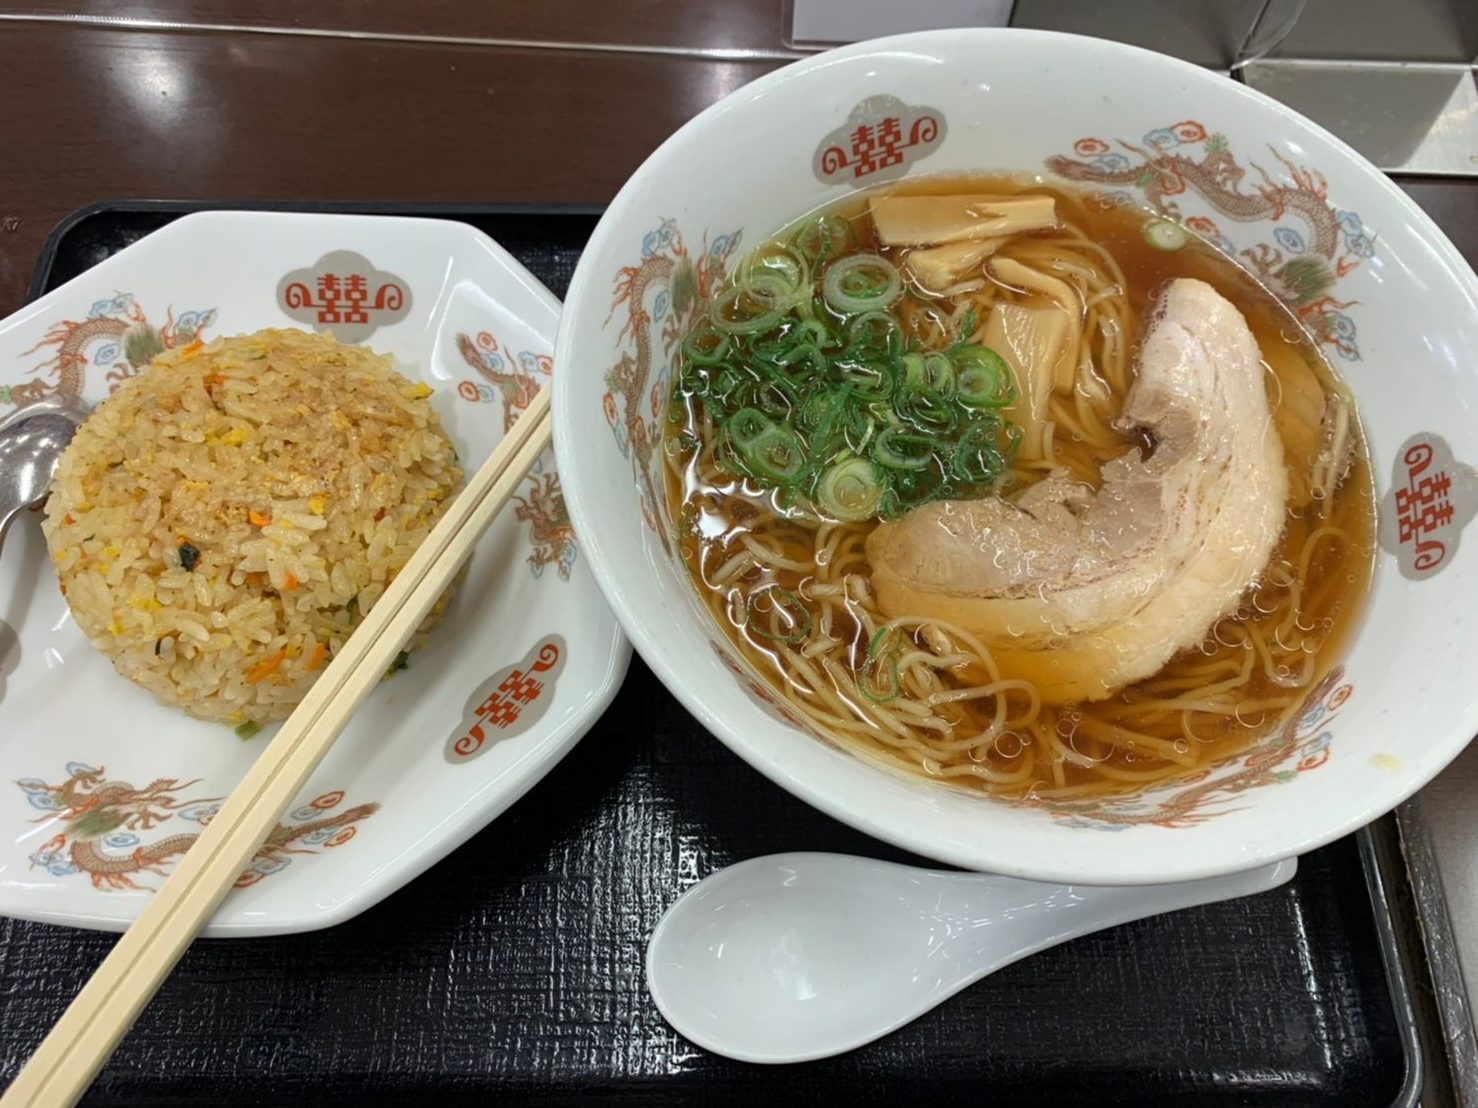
(1085, 592)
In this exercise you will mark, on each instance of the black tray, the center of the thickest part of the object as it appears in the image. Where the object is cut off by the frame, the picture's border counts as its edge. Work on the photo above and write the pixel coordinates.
(513, 969)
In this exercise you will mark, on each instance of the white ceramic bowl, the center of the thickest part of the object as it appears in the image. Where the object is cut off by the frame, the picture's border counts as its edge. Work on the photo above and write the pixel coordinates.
(1369, 273)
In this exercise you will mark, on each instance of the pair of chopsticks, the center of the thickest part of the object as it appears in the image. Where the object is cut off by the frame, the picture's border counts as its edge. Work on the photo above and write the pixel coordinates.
(71, 1055)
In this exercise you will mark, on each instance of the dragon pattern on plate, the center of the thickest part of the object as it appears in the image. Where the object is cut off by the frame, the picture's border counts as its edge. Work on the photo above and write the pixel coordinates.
(101, 820)
(116, 339)
(514, 380)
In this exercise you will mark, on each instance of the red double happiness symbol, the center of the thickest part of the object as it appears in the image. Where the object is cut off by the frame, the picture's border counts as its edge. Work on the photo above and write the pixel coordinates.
(344, 298)
(344, 292)
(1433, 496)
(882, 136)
(509, 702)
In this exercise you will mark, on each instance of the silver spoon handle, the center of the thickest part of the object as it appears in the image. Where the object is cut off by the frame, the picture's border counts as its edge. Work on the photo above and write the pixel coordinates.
(8, 512)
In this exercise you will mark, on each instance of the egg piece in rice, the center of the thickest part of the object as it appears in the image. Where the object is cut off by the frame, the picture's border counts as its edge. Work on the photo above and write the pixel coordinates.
(221, 523)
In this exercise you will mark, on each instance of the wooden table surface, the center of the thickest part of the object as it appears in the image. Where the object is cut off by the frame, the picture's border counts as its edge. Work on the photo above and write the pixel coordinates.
(253, 99)
(91, 113)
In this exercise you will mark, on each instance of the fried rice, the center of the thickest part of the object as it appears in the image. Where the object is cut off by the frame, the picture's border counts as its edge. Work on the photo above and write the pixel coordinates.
(222, 522)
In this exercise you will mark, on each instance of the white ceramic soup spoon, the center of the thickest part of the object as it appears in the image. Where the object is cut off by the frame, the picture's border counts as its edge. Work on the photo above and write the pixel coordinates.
(792, 957)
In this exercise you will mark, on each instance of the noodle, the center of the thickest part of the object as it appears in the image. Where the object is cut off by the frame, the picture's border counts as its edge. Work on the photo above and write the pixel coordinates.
(928, 697)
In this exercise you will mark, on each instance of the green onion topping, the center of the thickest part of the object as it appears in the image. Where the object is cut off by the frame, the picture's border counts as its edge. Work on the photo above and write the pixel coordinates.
(861, 283)
(850, 490)
(819, 396)
(1164, 235)
(777, 614)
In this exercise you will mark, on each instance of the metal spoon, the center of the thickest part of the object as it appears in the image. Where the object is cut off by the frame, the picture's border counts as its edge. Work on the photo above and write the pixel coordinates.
(31, 443)
(793, 957)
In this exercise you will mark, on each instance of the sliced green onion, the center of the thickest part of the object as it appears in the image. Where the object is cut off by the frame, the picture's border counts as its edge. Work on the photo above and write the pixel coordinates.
(778, 271)
(820, 414)
(861, 283)
(1164, 235)
(746, 426)
(772, 290)
(705, 345)
(723, 381)
(829, 423)
(777, 455)
(878, 636)
(767, 368)
(932, 374)
(967, 328)
(849, 490)
(807, 360)
(247, 730)
(859, 430)
(896, 448)
(975, 458)
(865, 684)
(815, 332)
(736, 311)
(813, 409)
(984, 379)
(786, 604)
(822, 238)
(870, 382)
(930, 415)
(871, 329)
(820, 396)
(1013, 443)
(773, 399)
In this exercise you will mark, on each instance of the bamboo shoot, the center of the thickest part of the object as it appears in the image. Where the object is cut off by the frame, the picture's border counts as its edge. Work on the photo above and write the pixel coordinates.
(926, 220)
(1062, 294)
(937, 268)
(1033, 341)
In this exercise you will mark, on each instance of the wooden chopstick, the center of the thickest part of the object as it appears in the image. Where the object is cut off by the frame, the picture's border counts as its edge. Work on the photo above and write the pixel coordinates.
(102, 1013)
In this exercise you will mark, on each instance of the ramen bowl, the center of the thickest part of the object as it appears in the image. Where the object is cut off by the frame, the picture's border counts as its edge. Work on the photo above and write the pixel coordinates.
(1391, 302)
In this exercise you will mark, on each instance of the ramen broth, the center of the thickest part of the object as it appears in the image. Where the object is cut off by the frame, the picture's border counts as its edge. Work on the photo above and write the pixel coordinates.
(950, 711)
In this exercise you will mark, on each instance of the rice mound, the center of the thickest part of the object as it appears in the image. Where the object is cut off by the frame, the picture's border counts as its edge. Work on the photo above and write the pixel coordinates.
(224, 519)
